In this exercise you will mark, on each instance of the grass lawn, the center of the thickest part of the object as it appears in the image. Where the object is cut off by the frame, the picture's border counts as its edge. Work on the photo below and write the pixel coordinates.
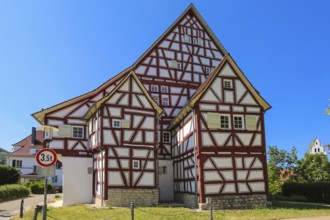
(161, 213)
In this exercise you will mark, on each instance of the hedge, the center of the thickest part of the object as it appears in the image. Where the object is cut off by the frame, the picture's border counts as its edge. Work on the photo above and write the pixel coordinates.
(13, 191)
(38, 188)
(314, 192)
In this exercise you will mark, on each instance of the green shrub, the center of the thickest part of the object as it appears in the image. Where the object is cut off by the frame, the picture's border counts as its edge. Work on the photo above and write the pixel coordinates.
(8, 175)
(38, 188)
(298, 198)
(13, 191)
(313, 192)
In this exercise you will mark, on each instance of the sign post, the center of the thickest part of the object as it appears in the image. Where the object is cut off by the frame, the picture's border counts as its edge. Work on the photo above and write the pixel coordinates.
(46, 158)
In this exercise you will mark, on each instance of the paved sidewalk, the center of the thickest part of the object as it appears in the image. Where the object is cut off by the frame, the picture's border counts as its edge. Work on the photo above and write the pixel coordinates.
(11, 208)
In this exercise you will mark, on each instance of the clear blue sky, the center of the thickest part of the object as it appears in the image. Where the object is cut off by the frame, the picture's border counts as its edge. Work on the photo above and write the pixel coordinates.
(52, 51)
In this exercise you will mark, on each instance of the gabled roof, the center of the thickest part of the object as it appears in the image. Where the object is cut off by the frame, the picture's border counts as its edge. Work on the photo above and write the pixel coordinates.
(190, 10)
(25, 145)
(40, 116)
(99, 103)
(205, 85)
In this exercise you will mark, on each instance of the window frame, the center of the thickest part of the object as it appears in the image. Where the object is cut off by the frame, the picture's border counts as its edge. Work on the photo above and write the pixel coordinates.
(114, 121)
(228, 122)
(164, 139)
(154, 88)
(164, 89)
(135, 162)
(242, 122)
(227, 82)
(165, 102)
(77, 132)
(155, 98)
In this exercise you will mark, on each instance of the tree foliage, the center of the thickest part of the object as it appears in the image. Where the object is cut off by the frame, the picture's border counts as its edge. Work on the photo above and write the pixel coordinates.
(8, 175)
(313, 168)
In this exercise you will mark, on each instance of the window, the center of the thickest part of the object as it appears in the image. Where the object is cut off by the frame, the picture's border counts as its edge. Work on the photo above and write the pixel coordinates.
(175, 64)
(154, 88)
(187, 38)
(165, 101)
(238, 122)
(166, 137)
(155, 98)
(227, 84)
(162, 170)
(224, 121)
(34, 169)
(178, 66)
(54, 179)
(58, 165)
(17, 163)
(77, 132)
(200, 42)
(195, 41)
(136, 164)
(116, 123)
(164, 89)
(251, 122)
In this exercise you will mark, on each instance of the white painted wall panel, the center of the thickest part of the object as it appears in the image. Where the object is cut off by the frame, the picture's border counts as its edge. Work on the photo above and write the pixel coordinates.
(115, 179)
(77, 186)
(212, 188)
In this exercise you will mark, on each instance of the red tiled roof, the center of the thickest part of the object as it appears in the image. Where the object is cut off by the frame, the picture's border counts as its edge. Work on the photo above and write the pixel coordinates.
(25, 145)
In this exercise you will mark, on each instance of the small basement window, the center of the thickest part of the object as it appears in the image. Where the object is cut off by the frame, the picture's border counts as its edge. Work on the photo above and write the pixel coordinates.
(77, 131)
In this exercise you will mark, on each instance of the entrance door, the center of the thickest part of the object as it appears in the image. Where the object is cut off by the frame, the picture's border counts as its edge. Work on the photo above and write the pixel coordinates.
(165, 174)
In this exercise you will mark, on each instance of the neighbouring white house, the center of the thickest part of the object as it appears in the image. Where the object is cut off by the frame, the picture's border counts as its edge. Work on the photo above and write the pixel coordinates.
(23, 155)
(316, 147)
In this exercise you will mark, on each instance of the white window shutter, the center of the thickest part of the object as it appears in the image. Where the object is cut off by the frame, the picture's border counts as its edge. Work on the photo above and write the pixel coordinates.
(251, 122)
(64, 131)
(213, 120)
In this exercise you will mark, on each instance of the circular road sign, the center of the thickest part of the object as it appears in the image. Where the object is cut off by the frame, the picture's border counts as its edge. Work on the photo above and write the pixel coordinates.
(46, 157)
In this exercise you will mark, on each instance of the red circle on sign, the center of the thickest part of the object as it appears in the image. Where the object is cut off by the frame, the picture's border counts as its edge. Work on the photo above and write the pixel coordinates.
(46, 157)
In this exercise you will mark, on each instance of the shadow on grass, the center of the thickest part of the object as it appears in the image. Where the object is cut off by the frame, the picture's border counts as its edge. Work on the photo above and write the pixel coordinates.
(299, 205)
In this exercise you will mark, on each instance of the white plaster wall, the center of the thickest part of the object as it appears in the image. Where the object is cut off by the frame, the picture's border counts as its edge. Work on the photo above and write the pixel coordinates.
(166, 190)
(77, 182)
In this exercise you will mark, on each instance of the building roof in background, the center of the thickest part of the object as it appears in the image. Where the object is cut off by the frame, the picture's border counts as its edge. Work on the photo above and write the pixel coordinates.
(25, 145)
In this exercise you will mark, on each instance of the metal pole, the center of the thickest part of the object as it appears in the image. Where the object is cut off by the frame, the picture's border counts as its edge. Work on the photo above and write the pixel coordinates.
(21, 209)
(132, 211)
(210, 207)
(44, 208)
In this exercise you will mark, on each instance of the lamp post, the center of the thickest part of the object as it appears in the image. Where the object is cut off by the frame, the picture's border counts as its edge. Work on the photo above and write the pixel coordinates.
(48, 136)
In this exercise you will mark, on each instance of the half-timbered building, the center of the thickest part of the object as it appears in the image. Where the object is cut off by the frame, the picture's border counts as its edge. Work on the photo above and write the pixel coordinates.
(183, 123)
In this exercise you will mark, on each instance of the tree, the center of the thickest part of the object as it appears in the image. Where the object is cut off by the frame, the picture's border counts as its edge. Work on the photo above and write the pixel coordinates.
(3, 156)
(8, 175)
(280, 164)
(313, 168)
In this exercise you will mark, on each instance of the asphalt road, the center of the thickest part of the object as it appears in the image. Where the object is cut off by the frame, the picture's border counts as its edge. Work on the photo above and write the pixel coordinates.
(11, 208)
